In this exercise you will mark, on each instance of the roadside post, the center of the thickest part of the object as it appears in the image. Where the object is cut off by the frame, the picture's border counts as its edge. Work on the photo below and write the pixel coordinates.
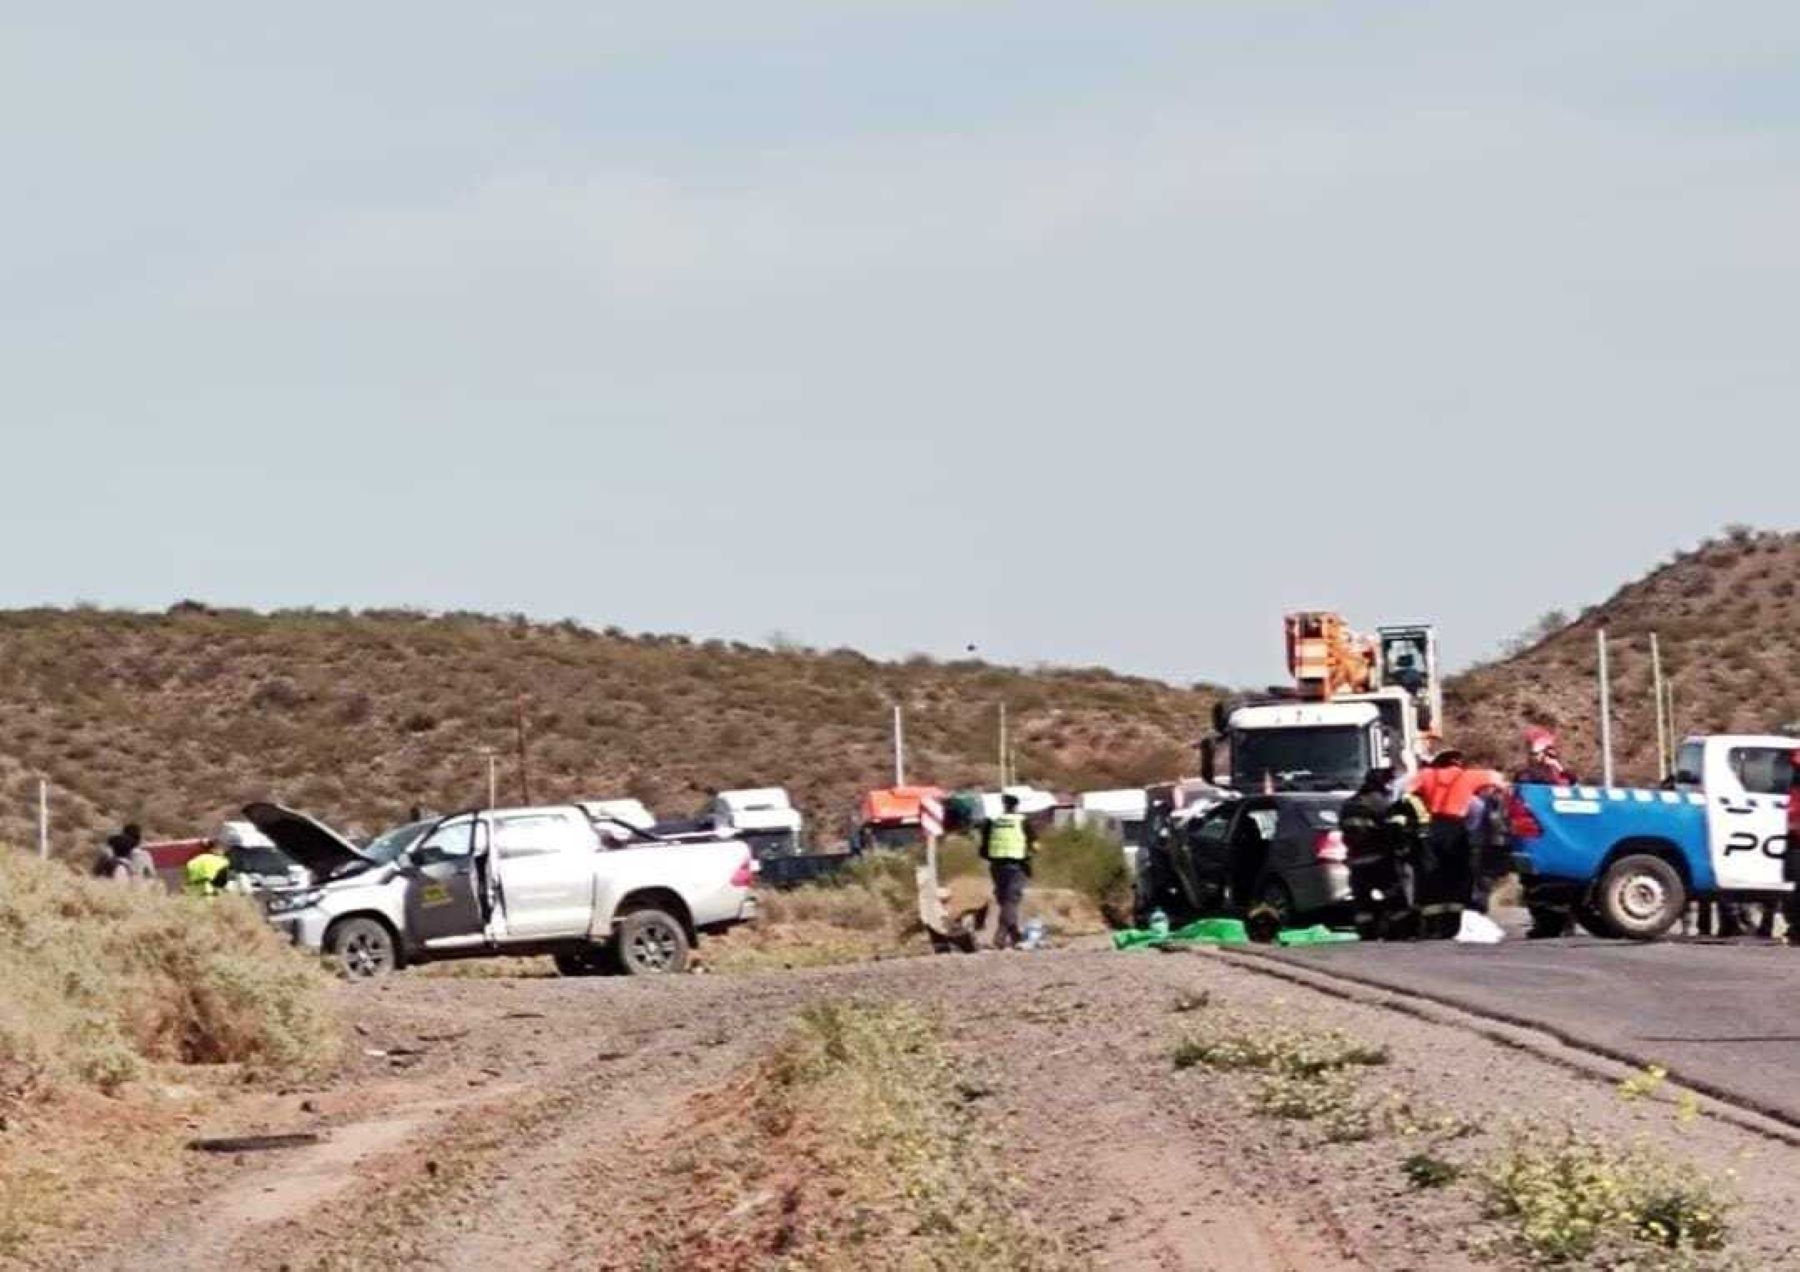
(931, 902)
(44, 817)
(1606, 747)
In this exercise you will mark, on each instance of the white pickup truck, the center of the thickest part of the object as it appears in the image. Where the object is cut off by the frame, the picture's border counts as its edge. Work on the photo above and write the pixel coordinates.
(597, 895)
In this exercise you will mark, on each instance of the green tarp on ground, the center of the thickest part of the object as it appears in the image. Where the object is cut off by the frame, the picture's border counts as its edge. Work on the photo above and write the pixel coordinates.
(1223, 932)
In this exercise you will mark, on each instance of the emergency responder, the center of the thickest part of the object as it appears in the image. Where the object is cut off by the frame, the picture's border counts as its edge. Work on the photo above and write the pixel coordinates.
(1363, 821)
(1449, 789)
(206, 872)
(1543, 762)
(1007, 842)
(1380, 835)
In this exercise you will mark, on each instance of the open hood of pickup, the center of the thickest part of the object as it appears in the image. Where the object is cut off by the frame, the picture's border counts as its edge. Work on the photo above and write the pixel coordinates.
(311, 843)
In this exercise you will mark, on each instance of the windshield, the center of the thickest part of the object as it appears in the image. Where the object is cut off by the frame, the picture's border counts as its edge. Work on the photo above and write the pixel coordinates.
(388, 845)
(1308, 759)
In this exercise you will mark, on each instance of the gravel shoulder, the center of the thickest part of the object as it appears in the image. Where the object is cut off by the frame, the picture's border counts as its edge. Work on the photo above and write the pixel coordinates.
(521, 1121)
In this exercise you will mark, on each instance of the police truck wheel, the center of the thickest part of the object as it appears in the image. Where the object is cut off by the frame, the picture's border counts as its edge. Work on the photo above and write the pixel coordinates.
(651, 943)
(362, 947)
(1640, 897)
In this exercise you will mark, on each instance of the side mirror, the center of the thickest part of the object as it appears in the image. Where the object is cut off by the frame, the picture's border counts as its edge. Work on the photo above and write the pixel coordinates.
(1208, 759)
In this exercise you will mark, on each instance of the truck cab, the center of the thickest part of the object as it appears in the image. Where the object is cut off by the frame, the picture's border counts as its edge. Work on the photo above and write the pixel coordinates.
(1308, 746)
(763, 817)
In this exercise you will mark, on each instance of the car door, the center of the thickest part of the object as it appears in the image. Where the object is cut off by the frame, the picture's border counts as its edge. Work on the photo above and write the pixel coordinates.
(444, 902)
(1252, 837)
(1747, 824)
(545, 860)
(1205, 863)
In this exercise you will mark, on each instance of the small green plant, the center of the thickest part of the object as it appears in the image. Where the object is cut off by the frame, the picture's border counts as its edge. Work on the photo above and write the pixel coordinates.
(1575, 1198)
(1272, 1049)
(1643, 1083)
(1426, 1170)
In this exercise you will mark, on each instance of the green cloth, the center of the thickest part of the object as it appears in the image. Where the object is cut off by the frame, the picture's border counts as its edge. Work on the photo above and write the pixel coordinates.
(1224, 932)
(1199, 932)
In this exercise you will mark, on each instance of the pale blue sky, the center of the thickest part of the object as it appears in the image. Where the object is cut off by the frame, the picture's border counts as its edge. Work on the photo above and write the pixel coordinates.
(1083, 332)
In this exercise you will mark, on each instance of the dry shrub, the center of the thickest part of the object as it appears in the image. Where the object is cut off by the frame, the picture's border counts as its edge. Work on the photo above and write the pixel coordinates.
(104, 979)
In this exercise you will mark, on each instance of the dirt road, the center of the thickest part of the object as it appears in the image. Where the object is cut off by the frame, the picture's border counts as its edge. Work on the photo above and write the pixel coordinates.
(547, 1123)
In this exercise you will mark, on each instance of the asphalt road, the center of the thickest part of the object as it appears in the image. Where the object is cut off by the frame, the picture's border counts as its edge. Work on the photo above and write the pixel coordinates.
(1723, 1018)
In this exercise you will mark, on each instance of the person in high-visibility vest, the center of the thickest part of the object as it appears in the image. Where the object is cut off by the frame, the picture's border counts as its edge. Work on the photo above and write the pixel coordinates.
(1007, 842)
(204, 874)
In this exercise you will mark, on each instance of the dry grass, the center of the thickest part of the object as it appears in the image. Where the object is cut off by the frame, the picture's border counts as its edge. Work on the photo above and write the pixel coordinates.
(176, 719)
(103, 981)
(853, 1144)
(107, 987)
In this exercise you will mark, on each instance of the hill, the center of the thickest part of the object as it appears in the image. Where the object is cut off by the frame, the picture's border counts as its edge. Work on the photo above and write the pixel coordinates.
(1725, 616)
(175, 719)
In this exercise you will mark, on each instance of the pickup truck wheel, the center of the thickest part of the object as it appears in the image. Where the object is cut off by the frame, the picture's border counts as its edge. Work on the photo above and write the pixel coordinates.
(362, 947)
(1641, 897)
(651, 943)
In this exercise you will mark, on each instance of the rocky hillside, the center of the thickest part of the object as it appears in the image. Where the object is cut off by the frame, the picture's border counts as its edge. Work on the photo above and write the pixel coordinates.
(175, 719)
(1725, 615)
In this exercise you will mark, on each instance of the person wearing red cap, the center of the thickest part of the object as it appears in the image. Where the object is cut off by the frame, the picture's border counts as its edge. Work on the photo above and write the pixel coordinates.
(1543, 762)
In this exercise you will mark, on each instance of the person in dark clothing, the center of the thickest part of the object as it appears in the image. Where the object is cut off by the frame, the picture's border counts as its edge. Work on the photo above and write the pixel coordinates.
(1450, 789)
(1007, 842)
(1363, 821)
(125, 860)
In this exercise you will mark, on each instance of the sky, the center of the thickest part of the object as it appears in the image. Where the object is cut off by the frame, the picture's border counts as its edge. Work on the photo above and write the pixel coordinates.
(1095, 333)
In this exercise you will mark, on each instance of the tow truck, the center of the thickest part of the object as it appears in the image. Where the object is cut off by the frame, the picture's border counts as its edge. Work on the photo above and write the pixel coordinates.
(1357, 702)
(1626, 861)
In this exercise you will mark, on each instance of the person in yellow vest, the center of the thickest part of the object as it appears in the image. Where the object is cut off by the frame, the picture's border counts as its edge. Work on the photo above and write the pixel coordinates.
(204, 874)
(1007, 842)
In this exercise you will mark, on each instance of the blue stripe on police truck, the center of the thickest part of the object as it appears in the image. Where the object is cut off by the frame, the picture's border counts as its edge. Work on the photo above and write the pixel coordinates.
(1582, 825)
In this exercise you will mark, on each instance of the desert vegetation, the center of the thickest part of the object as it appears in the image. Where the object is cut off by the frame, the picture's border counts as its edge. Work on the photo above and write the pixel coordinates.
(175, 719)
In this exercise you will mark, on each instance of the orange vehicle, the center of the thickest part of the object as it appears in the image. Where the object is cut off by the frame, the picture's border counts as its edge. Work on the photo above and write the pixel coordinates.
(889, 818)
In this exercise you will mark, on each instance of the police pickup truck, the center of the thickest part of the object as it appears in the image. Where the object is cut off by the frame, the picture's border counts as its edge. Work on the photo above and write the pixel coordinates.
(1626, 862)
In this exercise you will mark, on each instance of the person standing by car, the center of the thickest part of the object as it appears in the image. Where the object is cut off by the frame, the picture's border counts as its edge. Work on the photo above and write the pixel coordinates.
(125, 859)
(1449, 789)
(206, 872)
(1007, 842)
(1363, 821)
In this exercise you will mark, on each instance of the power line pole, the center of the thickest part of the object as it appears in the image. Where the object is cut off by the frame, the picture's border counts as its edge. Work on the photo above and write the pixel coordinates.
(493, 775)
(524, 759)
(1606, 747)
(1662, 715)
(1003, 782)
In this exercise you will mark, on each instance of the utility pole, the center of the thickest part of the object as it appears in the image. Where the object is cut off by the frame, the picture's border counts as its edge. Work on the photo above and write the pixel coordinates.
(1662, 715)
(899, 748)
(493, 775)
(1669, 689)
(1003, 782)
(1606, 747)
(44, 817)
(524, 759)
